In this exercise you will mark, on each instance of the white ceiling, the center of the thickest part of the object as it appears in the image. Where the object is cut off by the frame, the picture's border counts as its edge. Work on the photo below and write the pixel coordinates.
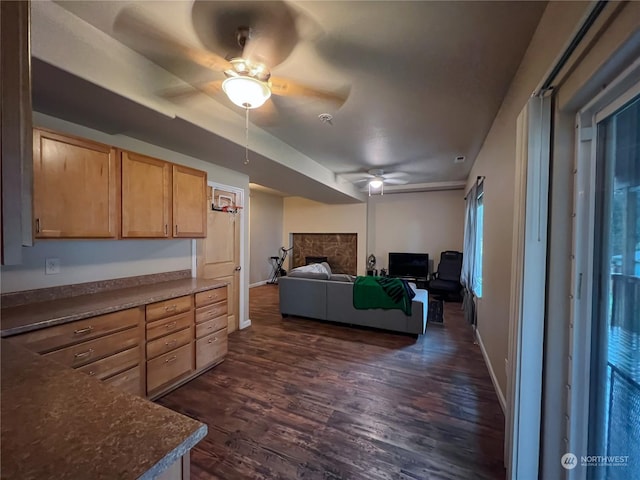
(425, 81)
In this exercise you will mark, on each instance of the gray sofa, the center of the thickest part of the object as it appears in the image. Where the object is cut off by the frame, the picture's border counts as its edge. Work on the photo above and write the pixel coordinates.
(333, 301)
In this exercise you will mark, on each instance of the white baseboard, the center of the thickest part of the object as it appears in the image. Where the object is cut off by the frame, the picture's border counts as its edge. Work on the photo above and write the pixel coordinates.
(244, 325)
(492, 374)
(257, 284)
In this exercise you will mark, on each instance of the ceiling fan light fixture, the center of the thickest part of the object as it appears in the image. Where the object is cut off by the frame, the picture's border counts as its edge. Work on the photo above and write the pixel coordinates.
(375, 183)
(246, 92)
(376, 186)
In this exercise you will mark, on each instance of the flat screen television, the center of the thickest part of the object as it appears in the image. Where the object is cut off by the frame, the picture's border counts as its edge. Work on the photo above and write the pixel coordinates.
(415, 265)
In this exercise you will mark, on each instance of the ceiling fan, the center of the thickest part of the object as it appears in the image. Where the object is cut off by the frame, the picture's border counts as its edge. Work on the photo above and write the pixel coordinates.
(247, 81)
(376, 179)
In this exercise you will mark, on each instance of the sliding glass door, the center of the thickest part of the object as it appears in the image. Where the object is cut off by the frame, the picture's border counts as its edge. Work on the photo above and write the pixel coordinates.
(614, 390)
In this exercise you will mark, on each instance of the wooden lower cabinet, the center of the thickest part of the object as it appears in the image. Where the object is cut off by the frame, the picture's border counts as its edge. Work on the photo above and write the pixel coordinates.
(107, 347)
(129, 381)
(211, 349)
(169, 367)
(169, 342)
(110, 366)
(147, 350)
(211, 327)
(87, 352)
(178, 470)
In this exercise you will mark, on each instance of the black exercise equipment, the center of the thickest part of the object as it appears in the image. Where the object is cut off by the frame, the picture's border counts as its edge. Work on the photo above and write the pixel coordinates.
(277, 263)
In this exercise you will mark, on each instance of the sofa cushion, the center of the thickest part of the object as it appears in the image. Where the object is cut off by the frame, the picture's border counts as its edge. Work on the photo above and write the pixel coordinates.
(342, 277)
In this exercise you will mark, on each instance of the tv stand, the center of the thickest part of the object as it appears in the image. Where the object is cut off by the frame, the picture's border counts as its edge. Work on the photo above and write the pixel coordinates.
(421, 282)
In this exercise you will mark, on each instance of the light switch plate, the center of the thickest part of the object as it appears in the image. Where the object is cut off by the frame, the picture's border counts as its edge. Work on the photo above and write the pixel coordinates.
(51, 266)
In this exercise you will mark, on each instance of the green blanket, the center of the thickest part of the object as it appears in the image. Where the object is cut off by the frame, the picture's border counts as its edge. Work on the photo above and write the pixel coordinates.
(382, 292)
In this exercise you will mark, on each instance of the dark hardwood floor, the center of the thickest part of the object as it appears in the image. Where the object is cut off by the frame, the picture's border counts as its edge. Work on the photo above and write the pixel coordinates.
(304, 399)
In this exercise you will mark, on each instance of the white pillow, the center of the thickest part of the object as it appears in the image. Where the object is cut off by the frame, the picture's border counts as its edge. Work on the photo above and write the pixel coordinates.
(315, 270)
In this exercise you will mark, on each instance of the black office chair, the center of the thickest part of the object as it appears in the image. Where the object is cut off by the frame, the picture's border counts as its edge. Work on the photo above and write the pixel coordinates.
(446, 281)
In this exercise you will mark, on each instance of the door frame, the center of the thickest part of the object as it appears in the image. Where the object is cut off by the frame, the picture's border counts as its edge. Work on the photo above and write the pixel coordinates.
(624, 88)
(243, 319)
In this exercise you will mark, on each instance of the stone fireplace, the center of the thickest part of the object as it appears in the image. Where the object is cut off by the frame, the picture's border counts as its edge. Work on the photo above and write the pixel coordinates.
(341, 250)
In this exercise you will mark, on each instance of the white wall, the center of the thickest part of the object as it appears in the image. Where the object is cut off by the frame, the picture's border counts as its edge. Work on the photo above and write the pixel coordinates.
(306, 216)
(425, 222)
(265, 233)
(86, 261)
(496, 161)
(93, 260)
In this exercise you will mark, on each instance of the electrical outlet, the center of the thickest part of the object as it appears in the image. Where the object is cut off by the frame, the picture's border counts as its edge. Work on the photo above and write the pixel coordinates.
(52, 266)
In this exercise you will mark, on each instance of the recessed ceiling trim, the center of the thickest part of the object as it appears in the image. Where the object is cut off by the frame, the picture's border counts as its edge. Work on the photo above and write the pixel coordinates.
(424, 187)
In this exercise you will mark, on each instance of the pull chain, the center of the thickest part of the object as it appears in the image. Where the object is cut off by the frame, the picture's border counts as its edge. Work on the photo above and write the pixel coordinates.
(246, 129)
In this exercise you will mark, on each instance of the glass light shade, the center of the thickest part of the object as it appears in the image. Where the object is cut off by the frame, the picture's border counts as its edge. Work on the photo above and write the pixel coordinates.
(246, 92)
(375, 183)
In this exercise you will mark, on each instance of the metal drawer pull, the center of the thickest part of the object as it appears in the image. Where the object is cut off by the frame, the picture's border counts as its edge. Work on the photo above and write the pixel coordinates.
(172, 342)
(172, 308)
(171, 359)
(81, 331)
(214, 339)
(84, 354)
(92, 373)
(171, 325)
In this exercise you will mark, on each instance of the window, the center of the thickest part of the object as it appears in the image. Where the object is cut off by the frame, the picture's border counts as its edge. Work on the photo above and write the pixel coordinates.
(615, 351)
(477, 281)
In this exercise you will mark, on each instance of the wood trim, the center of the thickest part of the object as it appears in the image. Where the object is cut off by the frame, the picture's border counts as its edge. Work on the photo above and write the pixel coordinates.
(16, 165)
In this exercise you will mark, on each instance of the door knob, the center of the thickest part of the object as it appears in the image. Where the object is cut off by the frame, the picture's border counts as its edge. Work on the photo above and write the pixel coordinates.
(238, 268)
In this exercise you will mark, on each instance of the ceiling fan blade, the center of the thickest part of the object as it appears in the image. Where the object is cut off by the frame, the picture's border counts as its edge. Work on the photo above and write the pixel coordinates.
(213, 89)
(356, 176)
(387, 176)
(145, 36)
(395, 181)
(284, 87)
(266, 115)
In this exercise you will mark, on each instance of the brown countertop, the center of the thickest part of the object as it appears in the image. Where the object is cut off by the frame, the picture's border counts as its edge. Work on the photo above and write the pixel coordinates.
(59, 423)
(25, 318)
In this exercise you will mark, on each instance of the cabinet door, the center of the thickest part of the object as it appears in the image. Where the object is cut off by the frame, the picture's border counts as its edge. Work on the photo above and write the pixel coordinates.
(146, 197)
(189, 202)
(74, 187)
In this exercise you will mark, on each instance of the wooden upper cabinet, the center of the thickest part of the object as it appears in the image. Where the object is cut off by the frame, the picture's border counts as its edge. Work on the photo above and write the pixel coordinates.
(146, 197)
(75, 187)
(189, 202)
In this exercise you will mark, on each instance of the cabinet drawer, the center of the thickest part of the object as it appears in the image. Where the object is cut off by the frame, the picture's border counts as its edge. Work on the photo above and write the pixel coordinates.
(168, 367)
(169, 307)
(53, 338)
(211, 348)
(127, 381)
(210, 312)
(169, 342)
(162, 327)
(109, 366)
(211, 296)
(87, 352)
(211, 326)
